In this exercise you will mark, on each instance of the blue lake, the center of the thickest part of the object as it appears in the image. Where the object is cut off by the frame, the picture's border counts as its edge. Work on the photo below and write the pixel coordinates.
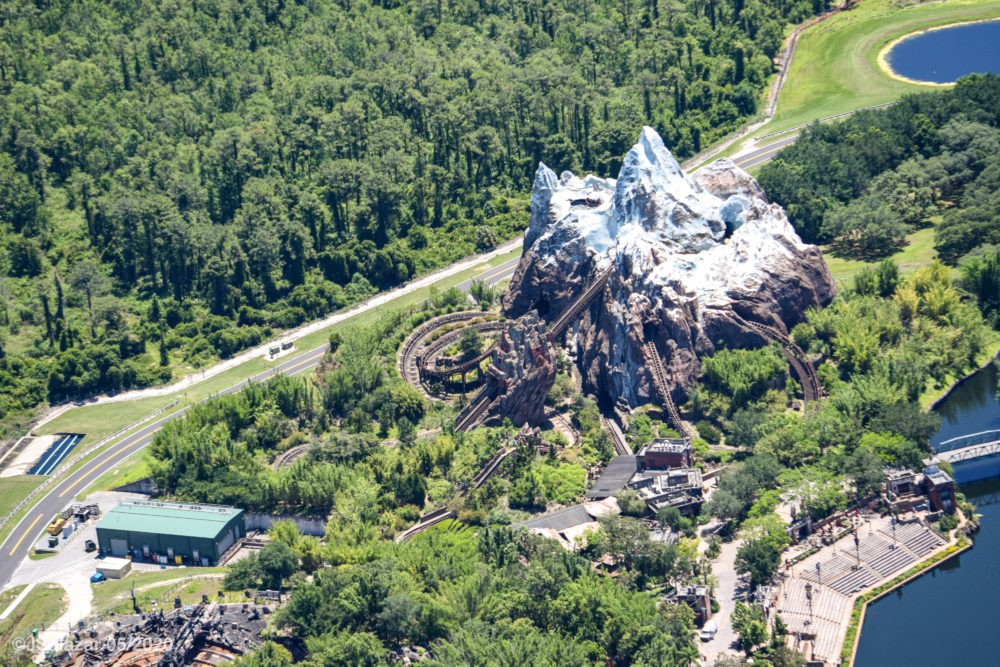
(944, 55)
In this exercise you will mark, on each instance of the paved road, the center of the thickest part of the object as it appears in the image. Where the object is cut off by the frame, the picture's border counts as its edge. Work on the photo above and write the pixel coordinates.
(21, 539)
(494, 275)
(762, 155)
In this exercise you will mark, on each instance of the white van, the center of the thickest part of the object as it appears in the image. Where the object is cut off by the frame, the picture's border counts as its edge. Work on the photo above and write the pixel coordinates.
(709, 630)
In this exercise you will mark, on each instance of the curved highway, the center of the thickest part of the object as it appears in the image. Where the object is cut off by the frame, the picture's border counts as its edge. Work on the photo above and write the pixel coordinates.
(24, 535)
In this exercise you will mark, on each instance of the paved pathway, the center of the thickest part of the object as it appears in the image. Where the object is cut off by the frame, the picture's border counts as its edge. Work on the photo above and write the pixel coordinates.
(724, 570)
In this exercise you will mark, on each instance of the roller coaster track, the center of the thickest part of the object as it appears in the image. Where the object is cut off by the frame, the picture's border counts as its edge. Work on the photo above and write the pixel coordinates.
(292, 455)
(617, 437)
(289, 456)
(407, 363)
(559, 419)
(812, 390)
(426, 371)
(425, 522)
(443, 513)
(574, 311)
(655, 365)
(491, 466)
(474, 411)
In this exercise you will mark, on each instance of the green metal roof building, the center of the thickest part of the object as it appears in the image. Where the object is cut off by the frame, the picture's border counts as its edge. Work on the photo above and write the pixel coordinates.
(171, 533)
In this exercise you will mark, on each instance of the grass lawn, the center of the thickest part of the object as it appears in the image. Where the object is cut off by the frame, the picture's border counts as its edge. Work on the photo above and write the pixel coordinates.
(100, 421)
(918, 251)
(131, 471)
(7, 596)
(835, 68)
(44, 604)
(15, 489)
(835, 65)
(186, 583)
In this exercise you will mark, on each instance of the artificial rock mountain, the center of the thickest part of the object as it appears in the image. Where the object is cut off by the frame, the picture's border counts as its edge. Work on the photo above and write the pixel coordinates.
(692, 256)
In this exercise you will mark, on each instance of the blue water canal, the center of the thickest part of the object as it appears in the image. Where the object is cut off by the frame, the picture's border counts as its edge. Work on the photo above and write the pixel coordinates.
(944, 55)
(971, 408)
(948, 616)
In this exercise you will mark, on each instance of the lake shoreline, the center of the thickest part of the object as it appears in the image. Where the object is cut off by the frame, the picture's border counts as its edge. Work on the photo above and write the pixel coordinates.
(922, 569)
(883, 55)
(954, 385)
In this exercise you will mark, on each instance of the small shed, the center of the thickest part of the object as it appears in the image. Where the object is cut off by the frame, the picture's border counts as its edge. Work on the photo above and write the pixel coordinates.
(114, 568)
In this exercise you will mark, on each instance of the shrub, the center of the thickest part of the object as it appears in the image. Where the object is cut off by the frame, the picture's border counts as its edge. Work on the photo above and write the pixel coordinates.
(708, 432)
(948, 523)
(700, 448)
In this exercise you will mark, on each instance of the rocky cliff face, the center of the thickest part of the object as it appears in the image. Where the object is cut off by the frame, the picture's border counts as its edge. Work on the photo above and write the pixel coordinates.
(692, 255)
(523, 369)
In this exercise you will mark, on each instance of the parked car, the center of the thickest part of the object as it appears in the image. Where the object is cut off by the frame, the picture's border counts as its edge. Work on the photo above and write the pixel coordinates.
(89, 546)
(96, 578)
(708, 631)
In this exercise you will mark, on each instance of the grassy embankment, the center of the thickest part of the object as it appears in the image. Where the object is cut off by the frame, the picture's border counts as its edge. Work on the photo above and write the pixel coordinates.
(43, 605)
(835, 68)
(161, 587)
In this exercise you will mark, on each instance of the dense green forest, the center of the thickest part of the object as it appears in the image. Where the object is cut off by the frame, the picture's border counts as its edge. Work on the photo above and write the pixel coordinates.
(498, 597)
(865, 182)
(179, 179)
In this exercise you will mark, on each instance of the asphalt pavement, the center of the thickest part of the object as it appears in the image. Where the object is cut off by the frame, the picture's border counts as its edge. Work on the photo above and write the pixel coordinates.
(762, 155)
(24, 535)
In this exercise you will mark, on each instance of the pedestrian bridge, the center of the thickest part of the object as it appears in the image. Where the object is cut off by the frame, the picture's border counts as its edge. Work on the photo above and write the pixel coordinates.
(964, 441)
(973, 457)
(969, 447)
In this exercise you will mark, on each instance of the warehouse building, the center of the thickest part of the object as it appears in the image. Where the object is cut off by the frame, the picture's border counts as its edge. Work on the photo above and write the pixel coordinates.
(170, 532)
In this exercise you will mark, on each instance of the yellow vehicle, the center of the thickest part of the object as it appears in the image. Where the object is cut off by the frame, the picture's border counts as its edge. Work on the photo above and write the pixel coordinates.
(56, 526)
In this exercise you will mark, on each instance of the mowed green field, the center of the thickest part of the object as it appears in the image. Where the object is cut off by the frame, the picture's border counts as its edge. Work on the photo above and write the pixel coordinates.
(835, 66)
(918, 251)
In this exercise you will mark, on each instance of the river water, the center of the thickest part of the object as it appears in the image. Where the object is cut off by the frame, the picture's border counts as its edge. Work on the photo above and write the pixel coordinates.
(944, 55)
(948, 616)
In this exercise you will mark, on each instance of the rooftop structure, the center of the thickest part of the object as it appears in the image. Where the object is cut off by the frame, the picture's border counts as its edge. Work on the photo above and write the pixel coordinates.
(614, 478)
(569, 525)
(675, 487)
(663, 453)
(700, 601)
(170, 532)
(901, 481)
(940, 489)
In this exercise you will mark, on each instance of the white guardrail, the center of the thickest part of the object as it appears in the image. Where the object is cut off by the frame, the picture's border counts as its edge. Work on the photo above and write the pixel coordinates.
(79, 457)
